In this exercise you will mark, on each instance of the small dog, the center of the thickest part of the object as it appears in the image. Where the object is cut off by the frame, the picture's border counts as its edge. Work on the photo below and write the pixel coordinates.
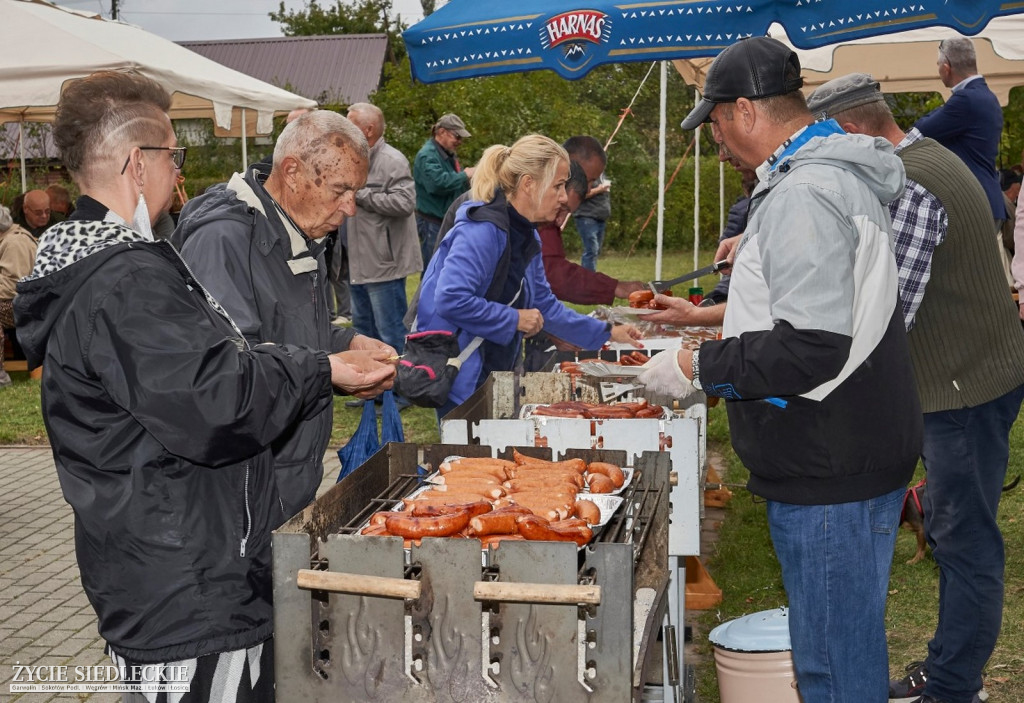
(913, 513)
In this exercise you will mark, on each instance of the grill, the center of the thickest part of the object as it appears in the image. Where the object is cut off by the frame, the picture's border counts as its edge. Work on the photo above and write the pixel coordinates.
(362, 618)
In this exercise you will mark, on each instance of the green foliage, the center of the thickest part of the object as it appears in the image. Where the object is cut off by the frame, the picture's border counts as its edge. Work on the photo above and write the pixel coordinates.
(500, 109)
(358, 17)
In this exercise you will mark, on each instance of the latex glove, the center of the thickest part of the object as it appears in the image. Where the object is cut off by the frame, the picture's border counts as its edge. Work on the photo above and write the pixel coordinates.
(663, 376)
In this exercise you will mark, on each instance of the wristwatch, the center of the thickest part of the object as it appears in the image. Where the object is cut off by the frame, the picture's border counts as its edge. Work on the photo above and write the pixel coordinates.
(696, 369)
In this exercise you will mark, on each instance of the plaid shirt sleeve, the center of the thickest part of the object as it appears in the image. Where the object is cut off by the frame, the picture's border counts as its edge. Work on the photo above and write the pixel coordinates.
(919, 224)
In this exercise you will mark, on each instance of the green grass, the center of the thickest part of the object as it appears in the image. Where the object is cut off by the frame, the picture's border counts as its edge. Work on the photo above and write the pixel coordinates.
(743, 563)
(744, 567)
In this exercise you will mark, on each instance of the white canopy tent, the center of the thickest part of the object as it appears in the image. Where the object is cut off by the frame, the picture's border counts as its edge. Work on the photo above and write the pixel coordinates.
(46, 45)
(902, 62)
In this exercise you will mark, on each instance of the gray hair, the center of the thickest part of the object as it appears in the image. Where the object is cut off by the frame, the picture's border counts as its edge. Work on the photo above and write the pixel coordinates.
(305, 137)
(960, 55)
(5, 218)
(371, 114)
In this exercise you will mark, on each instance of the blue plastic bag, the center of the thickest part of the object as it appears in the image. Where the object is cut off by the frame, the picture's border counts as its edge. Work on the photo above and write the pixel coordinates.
(365, 440)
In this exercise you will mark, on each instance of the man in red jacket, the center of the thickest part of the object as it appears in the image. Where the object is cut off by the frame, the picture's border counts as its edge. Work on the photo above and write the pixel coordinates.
(569, 281)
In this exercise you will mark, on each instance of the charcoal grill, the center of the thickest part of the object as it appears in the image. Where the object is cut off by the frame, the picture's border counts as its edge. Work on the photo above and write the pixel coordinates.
(362, 618)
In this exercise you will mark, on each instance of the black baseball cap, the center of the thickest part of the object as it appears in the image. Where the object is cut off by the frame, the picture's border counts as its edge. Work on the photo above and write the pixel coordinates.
(752, 68)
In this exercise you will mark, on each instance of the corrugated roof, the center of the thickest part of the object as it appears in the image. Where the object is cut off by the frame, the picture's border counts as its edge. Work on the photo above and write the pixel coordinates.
(329, 69)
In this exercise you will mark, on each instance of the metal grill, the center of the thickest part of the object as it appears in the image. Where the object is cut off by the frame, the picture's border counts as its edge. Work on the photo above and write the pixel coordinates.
(533, 621)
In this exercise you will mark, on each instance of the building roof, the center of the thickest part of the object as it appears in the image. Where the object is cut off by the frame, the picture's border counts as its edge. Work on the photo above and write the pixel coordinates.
(329, 69)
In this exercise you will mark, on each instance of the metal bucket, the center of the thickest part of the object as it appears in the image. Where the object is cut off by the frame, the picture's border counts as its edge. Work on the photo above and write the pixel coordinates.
(753, 659)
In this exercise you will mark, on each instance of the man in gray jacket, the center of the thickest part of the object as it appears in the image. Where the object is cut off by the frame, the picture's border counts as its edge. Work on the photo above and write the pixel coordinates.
(257, 244)
(814, 360)
(382, 241)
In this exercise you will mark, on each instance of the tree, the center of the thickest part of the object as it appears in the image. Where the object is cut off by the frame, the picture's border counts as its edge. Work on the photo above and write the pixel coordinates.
(359, 17)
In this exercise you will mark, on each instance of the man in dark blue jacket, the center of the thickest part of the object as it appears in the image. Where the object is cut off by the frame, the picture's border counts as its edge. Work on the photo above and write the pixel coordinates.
(971, 121)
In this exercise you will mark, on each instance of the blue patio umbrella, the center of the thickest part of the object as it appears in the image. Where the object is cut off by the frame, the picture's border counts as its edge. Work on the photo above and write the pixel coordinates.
(468, 38)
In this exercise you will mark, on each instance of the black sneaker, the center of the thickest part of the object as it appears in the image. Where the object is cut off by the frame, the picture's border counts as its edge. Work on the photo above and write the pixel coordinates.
(910, 685)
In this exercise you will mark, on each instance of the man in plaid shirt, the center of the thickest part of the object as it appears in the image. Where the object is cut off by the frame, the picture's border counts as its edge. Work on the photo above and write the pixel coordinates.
(967, 349)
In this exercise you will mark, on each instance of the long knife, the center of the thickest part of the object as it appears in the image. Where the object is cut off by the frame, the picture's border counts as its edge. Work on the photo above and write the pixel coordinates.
(659, 286)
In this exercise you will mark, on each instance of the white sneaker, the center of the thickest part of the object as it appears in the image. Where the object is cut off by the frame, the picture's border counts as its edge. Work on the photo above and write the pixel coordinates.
(5, 379)
(341, 321)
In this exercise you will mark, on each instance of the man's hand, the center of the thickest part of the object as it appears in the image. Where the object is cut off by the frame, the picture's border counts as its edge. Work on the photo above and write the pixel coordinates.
(627, 334)
(530, 322)
(624, 288)
(682, 313)
(727, 249)
(363, 343)
(663, 375)
(597, 190)
(364, 374)
(469, 171)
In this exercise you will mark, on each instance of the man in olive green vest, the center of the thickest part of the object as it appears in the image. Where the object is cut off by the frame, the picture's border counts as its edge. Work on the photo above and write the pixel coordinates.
(967, 347)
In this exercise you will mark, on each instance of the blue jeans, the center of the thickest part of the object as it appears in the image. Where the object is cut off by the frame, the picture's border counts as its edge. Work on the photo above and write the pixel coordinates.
(427, 230)
(592, 235)
(835, 567)
(378, 309)
(965, 455)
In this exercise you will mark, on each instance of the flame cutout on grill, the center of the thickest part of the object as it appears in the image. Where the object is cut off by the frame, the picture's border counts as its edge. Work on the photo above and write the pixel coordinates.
(360, 651)
(529, 669)
(448, 645)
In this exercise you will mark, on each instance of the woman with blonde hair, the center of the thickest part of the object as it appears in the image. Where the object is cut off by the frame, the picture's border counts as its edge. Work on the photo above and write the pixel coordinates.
(486, 278)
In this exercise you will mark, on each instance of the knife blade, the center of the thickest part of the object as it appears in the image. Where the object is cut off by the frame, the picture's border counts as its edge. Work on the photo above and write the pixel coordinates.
(659, 286)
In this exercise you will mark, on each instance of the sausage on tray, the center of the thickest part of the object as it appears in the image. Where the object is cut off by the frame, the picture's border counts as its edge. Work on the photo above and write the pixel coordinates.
(610, 470)
(418, 527)
(497, 522)
(427, 509)
(599, 483)
(588, 511)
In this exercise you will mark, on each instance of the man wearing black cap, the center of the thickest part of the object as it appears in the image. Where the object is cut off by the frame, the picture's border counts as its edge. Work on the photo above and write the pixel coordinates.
(814, 362)
(439, 179)
(967, 348)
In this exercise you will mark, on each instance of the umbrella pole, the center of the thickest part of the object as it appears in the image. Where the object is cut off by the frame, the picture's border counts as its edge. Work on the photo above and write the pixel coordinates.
(696, 195)
(21, 148)
(245, 155)
(661, 170)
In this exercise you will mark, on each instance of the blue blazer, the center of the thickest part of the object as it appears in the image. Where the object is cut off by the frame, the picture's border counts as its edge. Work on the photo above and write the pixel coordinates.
(970, 125)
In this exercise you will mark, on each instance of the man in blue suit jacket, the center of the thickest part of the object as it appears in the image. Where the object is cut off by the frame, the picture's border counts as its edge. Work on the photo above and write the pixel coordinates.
(971, 121)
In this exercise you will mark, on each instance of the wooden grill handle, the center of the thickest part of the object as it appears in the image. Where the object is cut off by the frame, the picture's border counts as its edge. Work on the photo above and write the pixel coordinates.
(508, 592)
(358, 584)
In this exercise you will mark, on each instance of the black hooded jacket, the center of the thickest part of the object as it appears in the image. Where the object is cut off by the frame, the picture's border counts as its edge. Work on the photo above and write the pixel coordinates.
(160, 416)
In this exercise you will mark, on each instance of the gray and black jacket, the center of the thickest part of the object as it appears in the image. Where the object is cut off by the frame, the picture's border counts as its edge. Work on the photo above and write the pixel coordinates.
(814, 320)
(270, 278)
(160, 416)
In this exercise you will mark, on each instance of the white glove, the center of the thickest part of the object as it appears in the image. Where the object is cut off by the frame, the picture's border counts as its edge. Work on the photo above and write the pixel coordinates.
(663, 376)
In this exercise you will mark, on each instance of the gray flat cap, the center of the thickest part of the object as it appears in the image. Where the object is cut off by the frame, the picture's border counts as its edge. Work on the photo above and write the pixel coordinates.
(844, 93)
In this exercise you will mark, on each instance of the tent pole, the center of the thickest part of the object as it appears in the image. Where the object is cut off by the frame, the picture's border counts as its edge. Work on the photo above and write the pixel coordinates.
(696, 196)
(21, 148)
(661, 170)
(245, 155)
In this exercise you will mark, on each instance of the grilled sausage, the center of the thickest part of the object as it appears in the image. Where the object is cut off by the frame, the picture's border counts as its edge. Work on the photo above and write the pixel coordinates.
(453, 477)
(577, 465)
(417, 527)
(610, 470)
(497, 522)
(547, 411)
(640, 298)
(443, 498)
(487, 490)
(535, 528)
(559, 484)
(588, 511)
(381, 517)
(599, 483)
(426, 509)
(580, 534)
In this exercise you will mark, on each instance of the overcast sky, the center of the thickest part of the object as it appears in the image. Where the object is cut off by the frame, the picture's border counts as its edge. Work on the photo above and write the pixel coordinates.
(181, 20)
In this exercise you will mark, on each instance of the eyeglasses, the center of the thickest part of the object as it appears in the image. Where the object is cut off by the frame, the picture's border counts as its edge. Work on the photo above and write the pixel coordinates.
(177, 155)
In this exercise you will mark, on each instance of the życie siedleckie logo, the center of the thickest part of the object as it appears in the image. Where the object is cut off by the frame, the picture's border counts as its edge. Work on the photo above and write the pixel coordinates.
(573, 31)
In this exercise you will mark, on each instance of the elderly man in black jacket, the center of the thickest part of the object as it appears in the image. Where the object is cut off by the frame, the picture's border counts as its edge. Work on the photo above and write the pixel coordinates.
(257, 245)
